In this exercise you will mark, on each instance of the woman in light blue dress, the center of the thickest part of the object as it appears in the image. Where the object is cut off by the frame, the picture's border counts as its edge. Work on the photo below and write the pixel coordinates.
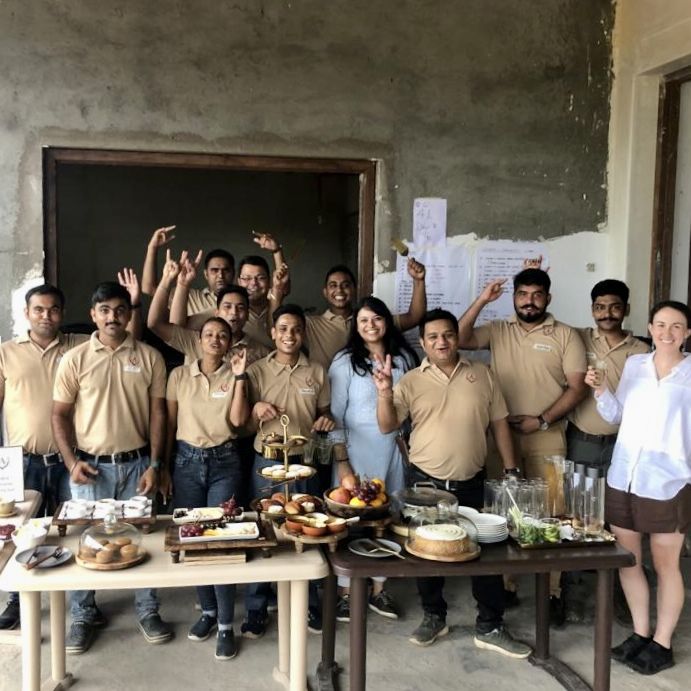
(354, 408)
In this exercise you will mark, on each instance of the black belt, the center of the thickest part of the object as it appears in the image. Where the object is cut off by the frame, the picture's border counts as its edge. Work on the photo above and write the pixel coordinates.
(48, 460)
(584, 436)
(120, 457)
(450, 485)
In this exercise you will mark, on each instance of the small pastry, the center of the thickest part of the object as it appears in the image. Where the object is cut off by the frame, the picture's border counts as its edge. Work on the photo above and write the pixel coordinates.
(104, 556)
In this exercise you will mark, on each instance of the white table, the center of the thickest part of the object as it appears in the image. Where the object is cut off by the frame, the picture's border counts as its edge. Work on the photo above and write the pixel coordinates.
(290, 570)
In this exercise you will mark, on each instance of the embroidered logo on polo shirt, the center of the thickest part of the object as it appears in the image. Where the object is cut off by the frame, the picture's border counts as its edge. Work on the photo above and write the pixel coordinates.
(221, 392)
(133, 366)
(542, 347)
(548, 330)
(471, 377)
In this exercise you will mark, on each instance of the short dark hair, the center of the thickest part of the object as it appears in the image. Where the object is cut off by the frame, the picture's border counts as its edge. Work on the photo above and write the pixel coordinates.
(295, 310)
(254, 260)
(340, 269)
(215, 320)
(437, 315)
(532, 277)
(610, 286)
(110, 290)
(219, 254)
(232, 288)
(45, 289)
(675, 305)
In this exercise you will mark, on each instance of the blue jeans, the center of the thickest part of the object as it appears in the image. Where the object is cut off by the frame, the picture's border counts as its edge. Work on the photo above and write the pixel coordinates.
(206, 477)
(114, 481)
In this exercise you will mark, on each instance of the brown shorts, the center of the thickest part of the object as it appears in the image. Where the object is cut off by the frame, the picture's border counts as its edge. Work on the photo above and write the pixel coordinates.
(626, 510)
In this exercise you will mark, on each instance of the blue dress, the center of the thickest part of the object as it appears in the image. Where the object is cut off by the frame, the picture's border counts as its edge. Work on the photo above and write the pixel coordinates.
(354, 408)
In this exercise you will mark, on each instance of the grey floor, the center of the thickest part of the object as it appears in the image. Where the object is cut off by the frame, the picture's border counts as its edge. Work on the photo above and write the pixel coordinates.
(121, 659)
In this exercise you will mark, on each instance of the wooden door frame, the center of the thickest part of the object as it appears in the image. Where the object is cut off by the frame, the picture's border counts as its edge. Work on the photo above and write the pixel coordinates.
(364, 168)
(665, 186)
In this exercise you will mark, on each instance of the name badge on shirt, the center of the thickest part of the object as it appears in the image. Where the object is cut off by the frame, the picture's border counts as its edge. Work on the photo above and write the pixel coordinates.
(219, 394)
(542, 347)
(135, 369)
(307, 391)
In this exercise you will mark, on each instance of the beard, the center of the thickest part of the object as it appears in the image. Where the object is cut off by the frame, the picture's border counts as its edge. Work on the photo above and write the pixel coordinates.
(531, 317)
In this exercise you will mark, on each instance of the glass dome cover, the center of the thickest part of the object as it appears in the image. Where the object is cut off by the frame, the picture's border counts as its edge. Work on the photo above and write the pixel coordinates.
(442, 533)
(110, 544)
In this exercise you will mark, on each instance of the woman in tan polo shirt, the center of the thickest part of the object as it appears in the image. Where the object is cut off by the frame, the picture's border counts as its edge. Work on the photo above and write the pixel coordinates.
(203, 418)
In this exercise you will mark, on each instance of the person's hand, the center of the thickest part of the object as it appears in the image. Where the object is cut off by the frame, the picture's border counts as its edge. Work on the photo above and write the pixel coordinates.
(382, 374)
(171, 270)
(266, 241)
(127, 278)
(595, 379)
(188, 269)
(238, 362)
(280, 281)
(416, 270)
(324, 423)
(265, 411)
(524, 424)
(165, 484)
(533, 263)
(161, 237)
(147, 481)
(82, 473)
(493, 290)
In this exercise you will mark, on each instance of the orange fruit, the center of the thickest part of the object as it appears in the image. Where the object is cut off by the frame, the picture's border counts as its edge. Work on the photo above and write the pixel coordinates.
(357, 502)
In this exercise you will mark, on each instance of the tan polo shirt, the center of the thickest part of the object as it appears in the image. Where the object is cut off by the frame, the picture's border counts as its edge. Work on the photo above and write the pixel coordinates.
(200, 300)
(111, 392)
(203, 404)
(450, 417)
(301, 391)
(187, 342)
(531, 366)
(327, 333)
(257, 327)
(27, 373)
(585, 415)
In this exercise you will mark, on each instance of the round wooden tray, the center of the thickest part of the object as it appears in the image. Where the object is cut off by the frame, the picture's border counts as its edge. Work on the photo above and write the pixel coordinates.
(330, 539)
(464, 556)
(254, 505)
(113, 566)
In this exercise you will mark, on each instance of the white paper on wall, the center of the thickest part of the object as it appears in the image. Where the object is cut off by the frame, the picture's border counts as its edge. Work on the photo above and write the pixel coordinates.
(429, 222)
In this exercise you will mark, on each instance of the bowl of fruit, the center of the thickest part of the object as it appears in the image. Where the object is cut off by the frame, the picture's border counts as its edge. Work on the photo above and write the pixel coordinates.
(364, 498)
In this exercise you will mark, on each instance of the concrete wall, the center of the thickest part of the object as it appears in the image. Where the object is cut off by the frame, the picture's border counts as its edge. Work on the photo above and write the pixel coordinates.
(502, 106)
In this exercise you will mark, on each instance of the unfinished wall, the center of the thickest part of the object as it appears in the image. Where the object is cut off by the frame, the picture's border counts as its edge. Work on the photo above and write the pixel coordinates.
(502, 106)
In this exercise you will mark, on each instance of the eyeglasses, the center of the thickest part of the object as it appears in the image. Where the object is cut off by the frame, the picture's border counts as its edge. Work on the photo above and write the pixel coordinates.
(254, 279)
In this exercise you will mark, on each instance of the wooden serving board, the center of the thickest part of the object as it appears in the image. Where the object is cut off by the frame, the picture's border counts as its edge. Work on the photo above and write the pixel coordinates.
(172, 543)
(145, 522)
(300, 540)
(113, 566)
(463, 556)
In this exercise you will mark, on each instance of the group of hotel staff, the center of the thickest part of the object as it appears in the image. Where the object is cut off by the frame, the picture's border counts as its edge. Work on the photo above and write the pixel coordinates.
(98, 417)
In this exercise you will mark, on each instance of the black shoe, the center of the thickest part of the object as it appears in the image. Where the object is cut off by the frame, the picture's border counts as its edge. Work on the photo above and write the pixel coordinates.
(203, 628)
(154, 629)
(79, 638)
(652, 659)
(557, 612)
(9, 619)
(630, 647)
(314, 620)
(226, 648)
(255, 625)
(99, 621)
(343, 608)
(511, 599)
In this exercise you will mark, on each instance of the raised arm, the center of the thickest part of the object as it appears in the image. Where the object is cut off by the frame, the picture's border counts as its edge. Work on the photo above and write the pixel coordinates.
(188, 272)
(159, 315)
(418, 301)
(127, 278)
(466, 324)
(160, 238)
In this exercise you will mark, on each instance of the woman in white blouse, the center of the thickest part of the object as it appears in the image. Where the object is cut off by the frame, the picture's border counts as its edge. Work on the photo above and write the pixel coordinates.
(649, 481)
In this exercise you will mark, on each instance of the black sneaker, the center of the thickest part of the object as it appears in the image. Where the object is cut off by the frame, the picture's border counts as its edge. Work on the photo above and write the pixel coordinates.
(343, 608)
(652, 659)
(99, 621)
(255, 625)
(431, 628)
(226, 648)
(630, 647)
(203, 628)
(79, 637)
(557, 612)
(383, 605)
(9, 619)
(154, 629)
(314, 620)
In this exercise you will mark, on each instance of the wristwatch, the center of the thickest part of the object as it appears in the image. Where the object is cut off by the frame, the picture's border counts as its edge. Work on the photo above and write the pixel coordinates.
(154, 463)
(514, 472)
(544, 425)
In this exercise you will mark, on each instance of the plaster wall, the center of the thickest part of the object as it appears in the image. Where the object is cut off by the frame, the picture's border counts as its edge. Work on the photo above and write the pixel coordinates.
(501, 106)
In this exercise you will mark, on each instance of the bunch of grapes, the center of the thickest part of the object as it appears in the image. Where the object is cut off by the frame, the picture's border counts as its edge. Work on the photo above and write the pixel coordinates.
(230, 507)
(191, 530)
(366, 491)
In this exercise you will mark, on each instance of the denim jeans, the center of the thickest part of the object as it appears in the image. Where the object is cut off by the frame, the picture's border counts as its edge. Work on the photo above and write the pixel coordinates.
(206, 477)
(114, 481)
(488, 591)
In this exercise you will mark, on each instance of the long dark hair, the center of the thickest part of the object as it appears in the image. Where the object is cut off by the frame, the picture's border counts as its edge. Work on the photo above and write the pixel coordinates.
(394, 343)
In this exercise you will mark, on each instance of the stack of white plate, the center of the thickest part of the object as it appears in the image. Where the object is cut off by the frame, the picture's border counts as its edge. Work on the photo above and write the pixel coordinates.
(490, 527)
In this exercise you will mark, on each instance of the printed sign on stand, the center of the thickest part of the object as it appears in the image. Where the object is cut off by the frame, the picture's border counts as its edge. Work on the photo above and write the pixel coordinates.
(11, 473)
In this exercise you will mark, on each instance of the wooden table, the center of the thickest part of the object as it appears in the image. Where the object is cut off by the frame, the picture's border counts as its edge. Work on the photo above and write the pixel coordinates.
(495, 559)
(292, 571)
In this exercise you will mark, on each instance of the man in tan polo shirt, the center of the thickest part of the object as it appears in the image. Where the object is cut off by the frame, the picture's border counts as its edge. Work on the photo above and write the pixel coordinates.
(451, 403)
(27, 371)
(109, 401)
(539, 364)
(590, 440)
